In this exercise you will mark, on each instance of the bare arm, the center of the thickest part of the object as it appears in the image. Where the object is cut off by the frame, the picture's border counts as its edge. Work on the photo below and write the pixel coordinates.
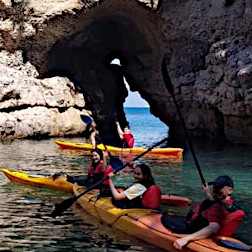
(205, 232)
(93, 139)
(117, 195)
(119, 130)
(104, 161)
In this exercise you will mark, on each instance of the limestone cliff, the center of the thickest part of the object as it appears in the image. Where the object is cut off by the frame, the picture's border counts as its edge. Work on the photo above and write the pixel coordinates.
(36, 108)
(207, 45)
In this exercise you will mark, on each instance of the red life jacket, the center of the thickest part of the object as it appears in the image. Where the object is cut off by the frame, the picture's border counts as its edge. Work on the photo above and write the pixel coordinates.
(98, 171)
(152, 197)
(231, 223)
(108, 170)
(233, 217)
(129, 140)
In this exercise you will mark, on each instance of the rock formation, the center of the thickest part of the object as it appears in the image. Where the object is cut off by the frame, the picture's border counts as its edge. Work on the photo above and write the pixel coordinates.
(207, 46)
(36, 108)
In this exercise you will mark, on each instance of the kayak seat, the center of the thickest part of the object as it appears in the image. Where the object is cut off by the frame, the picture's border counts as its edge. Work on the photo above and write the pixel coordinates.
(57, 175)
(176, 223)
(231, 223)
(80, 180)
(152, 197)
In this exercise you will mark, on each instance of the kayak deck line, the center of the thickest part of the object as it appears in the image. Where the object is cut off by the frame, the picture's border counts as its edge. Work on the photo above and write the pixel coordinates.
(142, 223)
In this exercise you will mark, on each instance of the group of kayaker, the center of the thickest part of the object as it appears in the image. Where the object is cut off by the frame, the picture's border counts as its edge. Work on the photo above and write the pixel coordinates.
(208, 217)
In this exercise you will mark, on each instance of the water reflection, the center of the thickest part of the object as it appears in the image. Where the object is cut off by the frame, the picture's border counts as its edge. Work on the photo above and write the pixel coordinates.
(26, 225)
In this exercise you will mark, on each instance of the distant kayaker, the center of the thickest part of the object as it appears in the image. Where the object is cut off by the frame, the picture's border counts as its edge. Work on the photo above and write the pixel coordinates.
(215, 215)
(126, 136)
(144, 193)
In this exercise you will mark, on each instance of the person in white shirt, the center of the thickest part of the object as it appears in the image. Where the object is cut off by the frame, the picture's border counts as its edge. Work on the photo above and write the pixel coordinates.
(143, 193)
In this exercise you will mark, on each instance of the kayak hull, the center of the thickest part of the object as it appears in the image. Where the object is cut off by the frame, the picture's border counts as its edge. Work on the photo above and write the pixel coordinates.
(59, 183)
(145, 224)
(175, 152)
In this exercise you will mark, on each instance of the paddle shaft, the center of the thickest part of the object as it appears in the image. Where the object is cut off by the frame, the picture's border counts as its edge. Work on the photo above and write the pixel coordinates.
(169, 86)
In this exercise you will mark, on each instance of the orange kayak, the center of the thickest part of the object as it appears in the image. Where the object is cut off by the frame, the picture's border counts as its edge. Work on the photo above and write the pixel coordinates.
(145, 224)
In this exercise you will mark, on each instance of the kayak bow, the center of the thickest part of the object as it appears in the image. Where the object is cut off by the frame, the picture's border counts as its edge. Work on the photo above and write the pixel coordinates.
(60, 183)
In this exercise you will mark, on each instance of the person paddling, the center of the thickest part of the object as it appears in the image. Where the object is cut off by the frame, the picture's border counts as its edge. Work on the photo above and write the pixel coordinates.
(98, 169)
(143, 193)
(215, 215)
(126, 136)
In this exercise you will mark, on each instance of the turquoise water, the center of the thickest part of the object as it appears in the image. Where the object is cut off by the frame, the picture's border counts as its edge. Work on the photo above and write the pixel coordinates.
(25, 224)
(146, 128)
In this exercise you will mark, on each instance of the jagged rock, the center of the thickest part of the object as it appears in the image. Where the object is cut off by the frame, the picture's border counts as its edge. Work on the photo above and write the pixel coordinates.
(40, 122)
(31, 107)
(207, 45)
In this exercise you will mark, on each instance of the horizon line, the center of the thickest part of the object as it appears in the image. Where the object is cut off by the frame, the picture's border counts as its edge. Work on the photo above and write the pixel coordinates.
(136, 107)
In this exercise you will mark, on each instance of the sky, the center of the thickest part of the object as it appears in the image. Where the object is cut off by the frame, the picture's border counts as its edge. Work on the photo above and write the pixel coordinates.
(134, 99)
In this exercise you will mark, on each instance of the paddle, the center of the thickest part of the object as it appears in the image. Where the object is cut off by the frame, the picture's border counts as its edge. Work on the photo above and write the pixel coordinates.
(169, 87)
(241, 246)
(64, 205)
(114, 161)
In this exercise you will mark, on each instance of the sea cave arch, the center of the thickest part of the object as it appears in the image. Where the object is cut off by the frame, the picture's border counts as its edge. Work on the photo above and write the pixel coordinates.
(85, 58)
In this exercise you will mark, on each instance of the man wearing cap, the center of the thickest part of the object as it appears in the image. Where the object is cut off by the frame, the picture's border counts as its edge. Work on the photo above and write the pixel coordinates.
(208, 216)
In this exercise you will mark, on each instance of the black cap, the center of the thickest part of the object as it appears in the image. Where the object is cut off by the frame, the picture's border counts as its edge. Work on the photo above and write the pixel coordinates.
(222, 181)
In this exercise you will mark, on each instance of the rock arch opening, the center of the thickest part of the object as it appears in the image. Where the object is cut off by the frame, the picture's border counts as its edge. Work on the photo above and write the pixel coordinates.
(85, 57)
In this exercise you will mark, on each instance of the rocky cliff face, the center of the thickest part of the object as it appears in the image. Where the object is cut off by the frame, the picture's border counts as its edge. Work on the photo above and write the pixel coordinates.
(36, 108)
(207, 46)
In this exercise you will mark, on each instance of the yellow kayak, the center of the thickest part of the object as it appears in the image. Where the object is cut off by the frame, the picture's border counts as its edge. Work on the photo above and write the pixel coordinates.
(61, 184)
(176, 152)
(145, 224)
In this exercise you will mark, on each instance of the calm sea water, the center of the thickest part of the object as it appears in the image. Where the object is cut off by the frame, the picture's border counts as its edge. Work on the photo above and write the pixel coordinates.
(25, 224)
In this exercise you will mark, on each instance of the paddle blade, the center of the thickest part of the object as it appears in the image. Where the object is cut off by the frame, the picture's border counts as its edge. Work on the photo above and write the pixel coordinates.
(240, 246)
(63, 206)
(116, 163)
(86, 119)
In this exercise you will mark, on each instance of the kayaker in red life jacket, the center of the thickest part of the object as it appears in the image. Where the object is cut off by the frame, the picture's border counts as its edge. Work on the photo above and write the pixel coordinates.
(215, 215)
(144, 193)
(126, 136)
(98, 169)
